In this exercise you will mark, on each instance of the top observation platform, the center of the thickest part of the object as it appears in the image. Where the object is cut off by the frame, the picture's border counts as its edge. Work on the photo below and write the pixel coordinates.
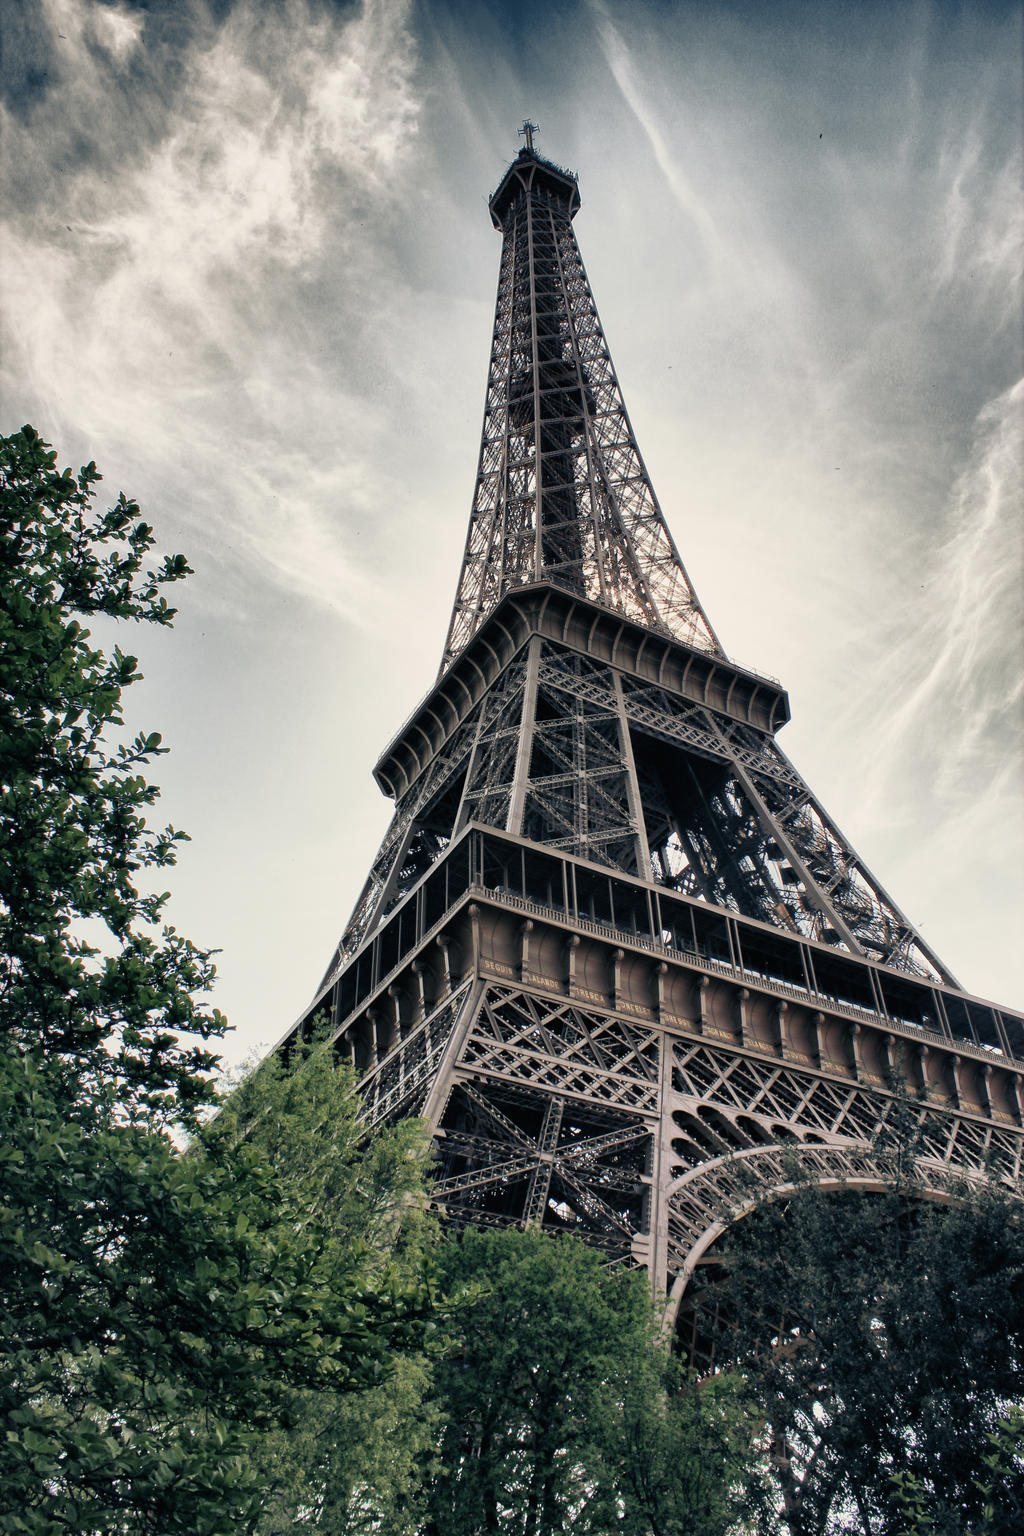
(530, 173)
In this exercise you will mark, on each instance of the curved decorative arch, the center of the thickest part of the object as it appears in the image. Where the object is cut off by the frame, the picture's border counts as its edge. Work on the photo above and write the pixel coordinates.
(707, 1199)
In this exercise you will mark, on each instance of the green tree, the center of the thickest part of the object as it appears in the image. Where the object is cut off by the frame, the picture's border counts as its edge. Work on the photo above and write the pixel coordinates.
(90, 977)
(560, 1408)
(883, 1335)
(336, 1461)
(162, 1311)
(158, 1311)
(685, 1453)
(352, 1464)
(1001, 1486)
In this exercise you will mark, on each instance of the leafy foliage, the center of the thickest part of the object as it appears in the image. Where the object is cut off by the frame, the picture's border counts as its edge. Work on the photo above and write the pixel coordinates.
(560, 1409)
(686, 1453)
(159, 1311)
(883, 1335)
(162, 1311)
(73, 833)
(352, 1464)
(1001, 1486)
(325, 1463)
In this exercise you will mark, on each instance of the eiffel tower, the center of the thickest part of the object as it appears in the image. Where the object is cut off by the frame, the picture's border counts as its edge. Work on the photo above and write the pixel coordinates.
(613, 949)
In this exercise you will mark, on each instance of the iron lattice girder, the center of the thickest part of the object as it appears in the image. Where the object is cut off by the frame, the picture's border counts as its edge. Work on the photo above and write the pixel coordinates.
(733, 692)
(561, 745)
(562, 493)
(667, 926)
(558, 1164)
(726, 1081)
(612, 946)
(434, 746)
(582, 1075)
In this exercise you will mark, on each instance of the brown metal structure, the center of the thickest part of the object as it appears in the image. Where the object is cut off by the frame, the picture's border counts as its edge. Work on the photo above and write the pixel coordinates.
(612, 947)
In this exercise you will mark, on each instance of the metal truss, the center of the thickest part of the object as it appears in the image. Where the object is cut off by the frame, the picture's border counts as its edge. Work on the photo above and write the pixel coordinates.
(551, 1111)
(562, 494)
(568, 751)
(704, 1202)
(551, 1044)
(512, 1154)
(397, 1088)
(724, 1103)
(491, 778)
(722, 814)
(420, 830)
(579, 795)
(752, 838)
(545, 961)
(471, 778)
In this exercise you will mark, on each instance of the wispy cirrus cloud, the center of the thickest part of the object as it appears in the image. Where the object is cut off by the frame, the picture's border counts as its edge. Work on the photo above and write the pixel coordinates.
(184, 248)
(628, 76)
(954, 659)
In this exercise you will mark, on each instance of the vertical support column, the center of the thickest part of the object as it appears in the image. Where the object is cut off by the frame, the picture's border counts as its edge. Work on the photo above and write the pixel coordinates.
(857, 1059)
(660, 972)
(817, 1024)
(876, 992)
(371, 1029)
(571, 948)
(474, 929)
(742, 999)
(924, 1053)
(661, 1172)
(636, 809)
(618, 955)
(443, 943)
(525, 968)
(393, 1024)
(419, 970)
(346, 1046)
(942, 1013)
(540, 1182)
(521, 781)
(780, 1019)
(703, 990)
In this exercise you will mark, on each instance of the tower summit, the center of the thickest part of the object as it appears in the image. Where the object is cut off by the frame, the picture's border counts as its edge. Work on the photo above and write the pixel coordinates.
(612, 947)
(562, 494)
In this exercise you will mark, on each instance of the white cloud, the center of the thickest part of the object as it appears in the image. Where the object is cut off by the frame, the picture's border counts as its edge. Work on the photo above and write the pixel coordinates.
(156, 310)
(119, 32)
(78, 22)
(636, 93)
(967, 621)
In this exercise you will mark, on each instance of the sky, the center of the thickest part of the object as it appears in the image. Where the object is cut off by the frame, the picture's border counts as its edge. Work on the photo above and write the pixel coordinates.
(247, 267)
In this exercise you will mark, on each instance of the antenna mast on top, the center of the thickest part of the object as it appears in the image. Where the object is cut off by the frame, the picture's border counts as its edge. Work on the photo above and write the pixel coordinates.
(527, 131)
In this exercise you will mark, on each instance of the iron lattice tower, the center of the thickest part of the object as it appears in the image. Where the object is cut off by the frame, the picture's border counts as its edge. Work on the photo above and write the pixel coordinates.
(612, 947)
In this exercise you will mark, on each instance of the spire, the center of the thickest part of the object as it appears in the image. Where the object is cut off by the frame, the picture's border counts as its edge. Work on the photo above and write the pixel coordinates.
(584, 703)
(562, 495)
(527, 131)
